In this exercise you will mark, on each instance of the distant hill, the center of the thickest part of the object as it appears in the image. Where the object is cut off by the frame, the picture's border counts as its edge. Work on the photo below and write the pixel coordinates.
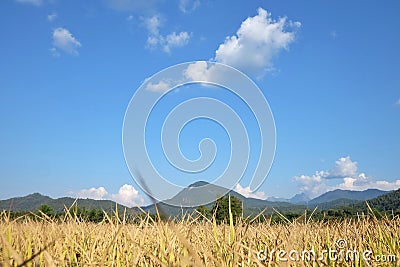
(277, 199)
(334, 204)
(27, 203)
(346, 194)
(387, 203)
(300, 199)
(33, 201)
(250, 205)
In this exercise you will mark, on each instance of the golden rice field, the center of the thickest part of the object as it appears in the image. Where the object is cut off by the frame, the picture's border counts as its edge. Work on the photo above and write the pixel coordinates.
(195, 242)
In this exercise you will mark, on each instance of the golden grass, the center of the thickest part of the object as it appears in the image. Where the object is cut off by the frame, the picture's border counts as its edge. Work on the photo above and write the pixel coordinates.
(190, 242)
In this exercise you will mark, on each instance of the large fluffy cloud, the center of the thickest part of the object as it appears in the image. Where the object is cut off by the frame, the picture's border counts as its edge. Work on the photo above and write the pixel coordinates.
(64, 40)
(345, 174)
(258, 40)
(127, 195)
(166, 42)
(344, 167)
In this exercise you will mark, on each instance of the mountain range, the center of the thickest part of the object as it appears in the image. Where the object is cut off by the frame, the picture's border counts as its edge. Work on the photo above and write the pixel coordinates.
(32, 202)
(297, 204)
(300, 198)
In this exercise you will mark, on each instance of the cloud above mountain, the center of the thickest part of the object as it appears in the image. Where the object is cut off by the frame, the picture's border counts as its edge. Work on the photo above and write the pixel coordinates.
(246, 192)
(344, 175)
(127, 195)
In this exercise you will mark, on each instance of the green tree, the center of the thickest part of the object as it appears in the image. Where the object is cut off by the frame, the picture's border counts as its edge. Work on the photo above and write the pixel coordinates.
(46, 210)
(78, 212)
(221, 208)
(204, 211)
(95, 215)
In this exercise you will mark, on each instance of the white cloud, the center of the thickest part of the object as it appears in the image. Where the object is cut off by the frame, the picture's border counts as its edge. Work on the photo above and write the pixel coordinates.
(344, 167)
(245, 191)
(155, 39)
(175, 40)
(187, 6)
(127, 195)
(92, 193)
(361, 182)
(65, 41)
(51, 17)
(398, 102)
(311, 185)
(258, 40)
(153, 24)
(199, 71)
(346, 173)
(161, 86)
(32, 2)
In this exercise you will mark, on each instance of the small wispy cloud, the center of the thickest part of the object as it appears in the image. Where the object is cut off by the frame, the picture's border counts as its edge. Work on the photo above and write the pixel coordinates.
(333, 34)
(54, 52)
(175, 40)
(161, 86)
(188, 6)
(166, 42)
(51, 17)
(64, 40)
(153, 24)
(398, 102)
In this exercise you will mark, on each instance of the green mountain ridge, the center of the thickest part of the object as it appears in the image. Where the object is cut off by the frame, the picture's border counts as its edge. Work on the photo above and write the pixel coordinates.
(389, 202)
(32, 203)
(347, 194)
(337, 199)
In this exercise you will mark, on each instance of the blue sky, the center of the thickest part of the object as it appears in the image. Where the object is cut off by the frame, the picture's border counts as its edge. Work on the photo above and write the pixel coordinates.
(329, 70)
